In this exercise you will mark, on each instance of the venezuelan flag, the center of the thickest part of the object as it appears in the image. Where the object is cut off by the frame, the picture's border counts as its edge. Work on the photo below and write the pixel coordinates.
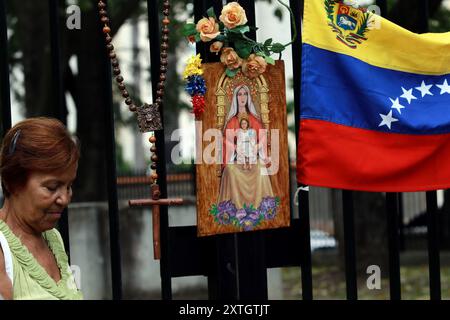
(375, 105)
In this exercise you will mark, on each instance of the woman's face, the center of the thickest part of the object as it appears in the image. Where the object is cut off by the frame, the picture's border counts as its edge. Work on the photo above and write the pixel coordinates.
(40, 203)
(242, 96)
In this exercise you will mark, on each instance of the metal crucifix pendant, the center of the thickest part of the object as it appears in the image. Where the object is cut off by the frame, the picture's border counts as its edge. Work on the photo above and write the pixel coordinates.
(149, 118)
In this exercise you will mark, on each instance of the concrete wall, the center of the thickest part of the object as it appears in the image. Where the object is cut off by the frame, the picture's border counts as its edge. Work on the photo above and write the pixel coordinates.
(89, 248)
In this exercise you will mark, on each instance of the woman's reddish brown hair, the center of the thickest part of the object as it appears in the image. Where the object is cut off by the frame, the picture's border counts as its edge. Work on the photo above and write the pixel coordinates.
(41, 145)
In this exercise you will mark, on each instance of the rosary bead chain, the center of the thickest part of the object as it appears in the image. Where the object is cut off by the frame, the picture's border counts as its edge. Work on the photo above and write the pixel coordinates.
(120, 79)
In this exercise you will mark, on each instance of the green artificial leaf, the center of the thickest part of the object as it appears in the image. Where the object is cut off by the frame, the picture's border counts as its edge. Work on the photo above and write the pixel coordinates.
(197, 37)
(189, 29)
(211, 13)
(231, 73)
(269, 60)
(220, 37)
(243, 49)
(277, 47)
(268, 42)
(266, 57)
(240, 29)
(233, 37)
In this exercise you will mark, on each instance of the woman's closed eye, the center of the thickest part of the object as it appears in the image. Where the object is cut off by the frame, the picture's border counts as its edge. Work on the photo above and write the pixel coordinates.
(52, 188)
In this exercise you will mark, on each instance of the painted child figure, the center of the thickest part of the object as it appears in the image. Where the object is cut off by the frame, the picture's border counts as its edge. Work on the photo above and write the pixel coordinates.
(246, 145)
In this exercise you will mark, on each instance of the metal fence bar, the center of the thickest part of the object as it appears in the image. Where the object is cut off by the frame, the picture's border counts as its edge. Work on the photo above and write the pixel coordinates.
(382, 4)
(401, 222)
(303, 196)
(433, 246)
(154, 38)
(349, 245)
(5, 98)
(431, 198)
(394, 210)
(393, 239)
(305, 246)
(58, 98)
(113, 209)
(111, 175)
(423, 9)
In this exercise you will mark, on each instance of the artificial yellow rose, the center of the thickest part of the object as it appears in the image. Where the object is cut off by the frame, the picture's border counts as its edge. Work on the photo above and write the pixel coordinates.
(254, 66)
(208, 28)
(216, 47)
(233, 15)
(230, 58)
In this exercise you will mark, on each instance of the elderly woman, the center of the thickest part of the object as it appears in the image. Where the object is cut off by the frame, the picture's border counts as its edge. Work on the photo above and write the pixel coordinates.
(38, 164)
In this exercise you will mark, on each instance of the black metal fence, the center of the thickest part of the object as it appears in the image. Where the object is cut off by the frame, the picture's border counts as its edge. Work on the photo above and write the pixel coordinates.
(235, 264)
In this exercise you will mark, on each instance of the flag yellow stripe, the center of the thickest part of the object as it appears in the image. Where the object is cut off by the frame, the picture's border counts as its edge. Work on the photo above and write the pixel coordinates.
(388, 46)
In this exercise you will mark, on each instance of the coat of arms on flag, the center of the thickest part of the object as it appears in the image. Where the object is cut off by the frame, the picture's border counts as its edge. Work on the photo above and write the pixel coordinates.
(351, 24)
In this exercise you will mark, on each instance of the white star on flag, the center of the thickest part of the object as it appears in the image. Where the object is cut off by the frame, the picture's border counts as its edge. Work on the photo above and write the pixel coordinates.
(445, 88)
(396, 105)
(387, 120)
(425, 89)
(407, 94)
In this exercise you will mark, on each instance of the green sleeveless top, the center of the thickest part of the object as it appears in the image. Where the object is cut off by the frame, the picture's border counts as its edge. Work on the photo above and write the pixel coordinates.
(31, 281)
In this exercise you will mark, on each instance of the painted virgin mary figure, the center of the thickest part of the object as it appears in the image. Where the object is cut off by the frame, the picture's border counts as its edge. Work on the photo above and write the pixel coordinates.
(240, 184)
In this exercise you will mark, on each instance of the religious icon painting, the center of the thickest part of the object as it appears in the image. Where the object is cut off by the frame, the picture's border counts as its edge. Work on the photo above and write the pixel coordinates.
(242, 152)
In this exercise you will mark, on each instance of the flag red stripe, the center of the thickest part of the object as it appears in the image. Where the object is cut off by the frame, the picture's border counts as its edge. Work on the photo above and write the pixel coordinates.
(342, 157)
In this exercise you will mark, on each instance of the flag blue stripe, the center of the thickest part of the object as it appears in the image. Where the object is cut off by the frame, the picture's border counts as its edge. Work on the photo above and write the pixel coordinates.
(344, 90)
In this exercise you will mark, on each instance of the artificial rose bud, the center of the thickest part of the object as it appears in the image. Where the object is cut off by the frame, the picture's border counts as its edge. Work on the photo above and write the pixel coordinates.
(254, 66)
(216, 47)
(191, 39)
(230, 58)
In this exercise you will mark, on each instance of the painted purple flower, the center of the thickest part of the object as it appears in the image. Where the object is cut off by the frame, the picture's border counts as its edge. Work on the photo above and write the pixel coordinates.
(227, 206)
(226, 210)
(247, 223)
(252, 213)
(224, 217)
(241, 214)
(248, 217)
(268, 207)
(250, 221)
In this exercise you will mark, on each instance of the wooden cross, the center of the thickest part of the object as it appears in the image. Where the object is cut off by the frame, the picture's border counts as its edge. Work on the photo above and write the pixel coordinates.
(155, 202)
